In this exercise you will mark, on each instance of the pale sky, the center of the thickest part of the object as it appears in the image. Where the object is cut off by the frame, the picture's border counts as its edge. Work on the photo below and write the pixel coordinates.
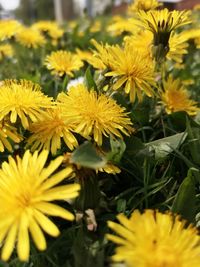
(9, 4)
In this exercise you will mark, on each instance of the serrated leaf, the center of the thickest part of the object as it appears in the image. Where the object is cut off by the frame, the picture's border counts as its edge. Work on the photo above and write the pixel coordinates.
(86, 156)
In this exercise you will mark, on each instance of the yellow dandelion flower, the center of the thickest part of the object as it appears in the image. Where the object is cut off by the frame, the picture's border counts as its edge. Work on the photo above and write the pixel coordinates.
(95, 26)
(63, 62)
(177, 47)
(101, 58)
(145, 5)
(6, 50)
(8, 28)
(162, 23)
(22, 99)
(119, 25)
(155, 239)
(50, 27)
(84, 55)
(30, 37)
(175, 97)
(94, 115)
(133, 71)
(26, 192)
(191, 34)
(142, 41)
(8, 133)
(48, 131)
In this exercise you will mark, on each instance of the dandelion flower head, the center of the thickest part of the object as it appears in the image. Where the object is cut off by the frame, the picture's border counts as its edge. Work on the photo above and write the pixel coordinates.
(6, 50)
(120, 25)
(175, 97)
(154, 239)
(49, 130)
(132, 71)
(63, 62)
(94, 115)
(84, 55)
(145, 5)
(142, 42)
(26, 195)
(52, 29)
(101, 57)
(177, 47)
(164, 20)
(30, 37)
(162, 23)
(22, 99)
(8, 28)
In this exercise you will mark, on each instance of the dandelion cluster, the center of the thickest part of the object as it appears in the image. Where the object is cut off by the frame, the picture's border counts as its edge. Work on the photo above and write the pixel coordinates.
(99, 122)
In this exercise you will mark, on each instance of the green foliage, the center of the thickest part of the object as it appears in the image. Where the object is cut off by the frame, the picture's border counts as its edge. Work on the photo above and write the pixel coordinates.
(185, 202)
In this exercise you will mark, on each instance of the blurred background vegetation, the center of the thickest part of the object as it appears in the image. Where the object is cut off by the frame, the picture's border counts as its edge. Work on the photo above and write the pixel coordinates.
(29, 11)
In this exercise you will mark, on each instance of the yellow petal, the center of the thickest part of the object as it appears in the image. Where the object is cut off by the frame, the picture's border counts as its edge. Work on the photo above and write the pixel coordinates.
(9, 242)
(51, 168)
(41, 160)
(23, 244)
(61, 192)
(37, 235)
(54, 210)
(57, 178)
(13, 116)
(47, 225)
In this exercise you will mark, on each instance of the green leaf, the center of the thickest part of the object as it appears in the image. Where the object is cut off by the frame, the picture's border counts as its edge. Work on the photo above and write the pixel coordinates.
(185, 200)
(163, 147)
(90, 80)
(121, 205)
(193, 141)
(65, 83)
(140, 113)
(117, 150)
(86, 156)
(177, 120)
(89, 196)
(133, 145)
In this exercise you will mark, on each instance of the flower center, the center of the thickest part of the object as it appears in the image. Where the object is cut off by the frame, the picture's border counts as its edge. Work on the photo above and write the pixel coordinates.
(24, 199)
